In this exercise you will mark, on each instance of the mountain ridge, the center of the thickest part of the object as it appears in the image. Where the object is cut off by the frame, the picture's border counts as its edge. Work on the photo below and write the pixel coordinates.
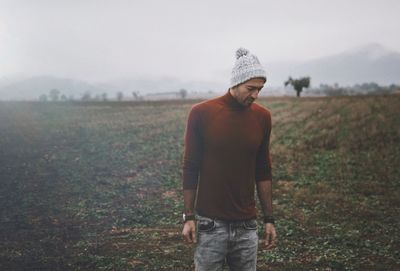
(368, 63)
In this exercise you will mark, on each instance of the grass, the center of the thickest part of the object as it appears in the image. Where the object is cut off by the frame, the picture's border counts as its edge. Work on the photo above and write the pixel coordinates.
(96, 186)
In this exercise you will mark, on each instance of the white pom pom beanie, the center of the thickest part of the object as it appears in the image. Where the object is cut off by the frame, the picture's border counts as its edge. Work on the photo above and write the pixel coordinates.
(247, 66)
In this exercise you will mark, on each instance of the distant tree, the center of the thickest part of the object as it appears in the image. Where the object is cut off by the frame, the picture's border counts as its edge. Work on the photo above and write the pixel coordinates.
(63, 98)
(298, 84)
(97, 97)
(394, 87)
(135, 95)
(370, 86)
(183, 93)
(86, 96)
(104, 97)
(120, 96)
(43, 98)
(336, 91)
(54, 93)
(71, 98)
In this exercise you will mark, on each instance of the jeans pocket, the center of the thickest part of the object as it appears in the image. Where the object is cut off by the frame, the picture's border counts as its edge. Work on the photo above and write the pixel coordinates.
(205, 225)
(250, 224)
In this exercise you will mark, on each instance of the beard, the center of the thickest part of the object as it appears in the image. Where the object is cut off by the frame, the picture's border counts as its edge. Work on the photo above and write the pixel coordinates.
(248, 101)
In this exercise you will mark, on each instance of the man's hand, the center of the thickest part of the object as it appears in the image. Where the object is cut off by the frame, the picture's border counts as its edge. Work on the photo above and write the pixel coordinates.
(270, 236)
(189, 231)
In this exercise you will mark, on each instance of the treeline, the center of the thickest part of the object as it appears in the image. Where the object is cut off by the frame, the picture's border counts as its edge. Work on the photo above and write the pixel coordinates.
(371, 88)
(55, 95)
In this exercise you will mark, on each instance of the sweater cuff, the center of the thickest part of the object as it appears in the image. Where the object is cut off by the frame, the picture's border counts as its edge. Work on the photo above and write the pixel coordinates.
(263, 176)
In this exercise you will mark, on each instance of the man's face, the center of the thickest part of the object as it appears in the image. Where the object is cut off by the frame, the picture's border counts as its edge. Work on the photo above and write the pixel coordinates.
(247, 92)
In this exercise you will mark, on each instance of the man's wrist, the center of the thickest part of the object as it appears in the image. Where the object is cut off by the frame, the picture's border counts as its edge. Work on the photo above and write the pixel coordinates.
(188, 217)
(269, 219)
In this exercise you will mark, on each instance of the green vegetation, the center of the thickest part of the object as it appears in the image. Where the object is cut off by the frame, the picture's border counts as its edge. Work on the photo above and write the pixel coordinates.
(96, 186)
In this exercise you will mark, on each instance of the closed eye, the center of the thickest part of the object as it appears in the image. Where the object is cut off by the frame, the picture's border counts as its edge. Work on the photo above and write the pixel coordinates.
(253, 89)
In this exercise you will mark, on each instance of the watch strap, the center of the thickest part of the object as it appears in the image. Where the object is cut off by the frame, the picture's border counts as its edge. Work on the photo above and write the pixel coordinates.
(188, 217)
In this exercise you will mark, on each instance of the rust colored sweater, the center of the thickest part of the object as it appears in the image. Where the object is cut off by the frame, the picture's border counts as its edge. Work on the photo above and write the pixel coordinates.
(226, 152)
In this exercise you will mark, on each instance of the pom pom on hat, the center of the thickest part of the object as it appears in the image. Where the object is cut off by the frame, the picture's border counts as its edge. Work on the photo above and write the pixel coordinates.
(241, 52)
(247, 66)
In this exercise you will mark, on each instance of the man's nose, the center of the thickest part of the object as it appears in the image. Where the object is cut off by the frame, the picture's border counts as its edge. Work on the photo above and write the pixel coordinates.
(254, 95)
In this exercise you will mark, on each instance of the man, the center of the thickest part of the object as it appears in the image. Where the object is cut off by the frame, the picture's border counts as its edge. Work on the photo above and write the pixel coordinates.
(226, 156)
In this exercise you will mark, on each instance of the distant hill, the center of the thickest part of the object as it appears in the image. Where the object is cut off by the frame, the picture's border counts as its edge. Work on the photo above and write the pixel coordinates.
(160, 84)
(32, 88)
(369, 63)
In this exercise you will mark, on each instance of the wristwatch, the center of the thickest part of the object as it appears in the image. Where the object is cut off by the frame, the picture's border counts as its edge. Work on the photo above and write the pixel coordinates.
(186, 217)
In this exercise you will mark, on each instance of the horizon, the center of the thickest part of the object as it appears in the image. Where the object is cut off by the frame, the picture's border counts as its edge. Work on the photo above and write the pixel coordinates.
(102, 41)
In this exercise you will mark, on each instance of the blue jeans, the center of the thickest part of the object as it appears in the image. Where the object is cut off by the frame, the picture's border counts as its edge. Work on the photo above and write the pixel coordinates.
(220, 242)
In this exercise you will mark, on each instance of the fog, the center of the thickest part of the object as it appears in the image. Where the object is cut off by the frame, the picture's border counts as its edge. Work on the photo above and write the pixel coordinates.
(100, 41)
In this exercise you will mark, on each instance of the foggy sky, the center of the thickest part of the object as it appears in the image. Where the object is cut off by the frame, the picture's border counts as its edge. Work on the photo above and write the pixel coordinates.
(99, 40)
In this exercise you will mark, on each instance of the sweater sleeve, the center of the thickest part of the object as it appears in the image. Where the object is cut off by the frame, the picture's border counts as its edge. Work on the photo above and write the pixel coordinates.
(263, 160)
(193, 150)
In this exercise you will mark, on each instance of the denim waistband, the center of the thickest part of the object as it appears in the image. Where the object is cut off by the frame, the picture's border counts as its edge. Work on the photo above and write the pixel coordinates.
(236, 222)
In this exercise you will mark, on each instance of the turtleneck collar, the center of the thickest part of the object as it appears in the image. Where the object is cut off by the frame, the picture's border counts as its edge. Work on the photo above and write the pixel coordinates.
(232, 103)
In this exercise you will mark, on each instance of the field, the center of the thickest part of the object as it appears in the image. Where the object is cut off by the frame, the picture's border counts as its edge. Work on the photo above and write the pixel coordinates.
(96, 186)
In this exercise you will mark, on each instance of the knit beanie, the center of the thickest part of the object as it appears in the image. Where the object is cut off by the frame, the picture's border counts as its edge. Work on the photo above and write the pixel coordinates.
(247, 66)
